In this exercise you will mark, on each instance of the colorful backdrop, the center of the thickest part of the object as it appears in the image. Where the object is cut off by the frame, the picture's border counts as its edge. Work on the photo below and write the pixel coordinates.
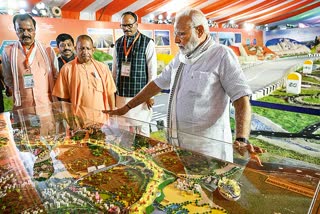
(105, 33)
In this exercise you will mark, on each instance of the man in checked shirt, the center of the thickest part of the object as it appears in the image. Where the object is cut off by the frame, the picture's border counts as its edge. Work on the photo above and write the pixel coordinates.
(134, 66)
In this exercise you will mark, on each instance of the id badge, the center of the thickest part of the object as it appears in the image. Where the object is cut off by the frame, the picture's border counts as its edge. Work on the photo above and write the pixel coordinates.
(125, 69)
(34, 120)
(28, 80)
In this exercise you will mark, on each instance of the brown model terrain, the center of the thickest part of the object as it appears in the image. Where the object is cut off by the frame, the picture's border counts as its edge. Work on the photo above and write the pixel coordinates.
(124, 182)
(170, 161)
(77, 158)
(17, 193)
(280, 191)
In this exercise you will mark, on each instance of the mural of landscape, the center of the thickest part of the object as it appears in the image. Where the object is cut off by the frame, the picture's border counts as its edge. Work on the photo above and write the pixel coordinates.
(296, 41)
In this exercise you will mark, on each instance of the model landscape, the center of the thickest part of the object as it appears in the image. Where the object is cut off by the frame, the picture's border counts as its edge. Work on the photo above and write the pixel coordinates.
(82, 173)
(89, 170)
(287, 133)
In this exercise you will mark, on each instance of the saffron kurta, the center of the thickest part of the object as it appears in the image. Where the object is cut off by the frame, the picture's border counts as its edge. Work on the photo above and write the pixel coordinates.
(90, 86)
(43, 67)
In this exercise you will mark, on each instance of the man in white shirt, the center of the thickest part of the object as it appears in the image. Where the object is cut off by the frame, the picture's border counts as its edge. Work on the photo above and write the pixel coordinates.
(202, 78)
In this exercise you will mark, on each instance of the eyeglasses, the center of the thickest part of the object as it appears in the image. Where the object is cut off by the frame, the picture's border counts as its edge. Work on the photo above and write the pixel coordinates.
(182, 35)
(127, 25)
(21, 30)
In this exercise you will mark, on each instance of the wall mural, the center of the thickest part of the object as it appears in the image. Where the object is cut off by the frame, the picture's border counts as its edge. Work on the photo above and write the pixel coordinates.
(102, 38)
(148, 33)
(162, 37)
(296, 41)
(226, 38)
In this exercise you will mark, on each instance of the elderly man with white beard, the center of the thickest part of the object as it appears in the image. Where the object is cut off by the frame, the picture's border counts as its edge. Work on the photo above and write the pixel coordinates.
(202, 79)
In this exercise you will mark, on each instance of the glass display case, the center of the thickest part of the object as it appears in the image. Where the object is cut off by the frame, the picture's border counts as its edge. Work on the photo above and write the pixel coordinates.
(55, 161)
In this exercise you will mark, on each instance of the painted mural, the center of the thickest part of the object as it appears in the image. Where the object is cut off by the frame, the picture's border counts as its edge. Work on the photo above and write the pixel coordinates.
(292, 42)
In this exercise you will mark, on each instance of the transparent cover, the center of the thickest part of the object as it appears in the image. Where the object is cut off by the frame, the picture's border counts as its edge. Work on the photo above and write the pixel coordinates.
(57, 161)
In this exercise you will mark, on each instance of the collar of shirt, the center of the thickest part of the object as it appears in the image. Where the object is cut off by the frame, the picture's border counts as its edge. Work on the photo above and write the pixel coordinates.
(68, 59)
(131, 38)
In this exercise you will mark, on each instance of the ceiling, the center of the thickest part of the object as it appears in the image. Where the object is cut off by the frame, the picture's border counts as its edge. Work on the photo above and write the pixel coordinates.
(258, 12)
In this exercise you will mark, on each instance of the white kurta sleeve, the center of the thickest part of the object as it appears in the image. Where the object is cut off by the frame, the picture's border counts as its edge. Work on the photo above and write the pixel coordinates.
(114, 64)
(151, 56)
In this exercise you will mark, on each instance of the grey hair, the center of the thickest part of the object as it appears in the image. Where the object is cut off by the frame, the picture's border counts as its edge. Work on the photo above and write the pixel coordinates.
(196, 16)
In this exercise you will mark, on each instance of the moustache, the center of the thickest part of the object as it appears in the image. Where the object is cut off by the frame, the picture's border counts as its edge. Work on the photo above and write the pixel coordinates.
(26, 37)
(127, 31)
(66, 50)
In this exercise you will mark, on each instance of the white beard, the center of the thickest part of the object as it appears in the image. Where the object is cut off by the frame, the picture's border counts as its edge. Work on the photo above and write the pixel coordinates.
(197, 51)
(191, 45)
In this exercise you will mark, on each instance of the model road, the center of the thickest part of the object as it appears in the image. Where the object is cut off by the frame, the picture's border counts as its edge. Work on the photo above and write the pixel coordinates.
(259, 76)
(269, 72)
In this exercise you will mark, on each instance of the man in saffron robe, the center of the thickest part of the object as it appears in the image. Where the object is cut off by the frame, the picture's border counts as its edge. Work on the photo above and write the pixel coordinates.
(84, 81)
(29, 68)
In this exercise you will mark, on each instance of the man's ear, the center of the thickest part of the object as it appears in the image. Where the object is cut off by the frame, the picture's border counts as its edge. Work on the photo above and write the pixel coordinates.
(200, 30)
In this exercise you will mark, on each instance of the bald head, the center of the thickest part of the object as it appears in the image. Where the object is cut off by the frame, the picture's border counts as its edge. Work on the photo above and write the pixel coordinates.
(84, 37)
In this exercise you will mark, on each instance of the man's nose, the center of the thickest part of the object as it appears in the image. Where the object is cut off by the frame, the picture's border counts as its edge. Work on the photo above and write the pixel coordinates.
(86, 51)
(177, 39)
(26, 32)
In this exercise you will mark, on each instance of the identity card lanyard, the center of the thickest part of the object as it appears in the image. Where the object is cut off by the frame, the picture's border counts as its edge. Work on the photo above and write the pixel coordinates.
(126, 66)
(28, 81)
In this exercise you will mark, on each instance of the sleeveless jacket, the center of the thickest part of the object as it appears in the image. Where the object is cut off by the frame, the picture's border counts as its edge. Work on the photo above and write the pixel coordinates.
(130, 86)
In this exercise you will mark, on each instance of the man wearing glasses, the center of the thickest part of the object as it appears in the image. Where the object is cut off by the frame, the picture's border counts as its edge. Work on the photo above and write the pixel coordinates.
(29, 68)
(134, 66)
(202, 78)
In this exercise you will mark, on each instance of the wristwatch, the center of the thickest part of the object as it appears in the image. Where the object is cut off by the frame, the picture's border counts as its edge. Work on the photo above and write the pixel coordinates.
(243, 140)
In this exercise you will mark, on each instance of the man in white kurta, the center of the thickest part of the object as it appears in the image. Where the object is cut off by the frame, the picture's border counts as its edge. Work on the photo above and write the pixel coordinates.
(202, 79)
(203, 94)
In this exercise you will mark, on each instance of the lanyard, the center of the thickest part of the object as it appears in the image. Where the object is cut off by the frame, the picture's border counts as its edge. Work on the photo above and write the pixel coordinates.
(127, 52)
(28, 54)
